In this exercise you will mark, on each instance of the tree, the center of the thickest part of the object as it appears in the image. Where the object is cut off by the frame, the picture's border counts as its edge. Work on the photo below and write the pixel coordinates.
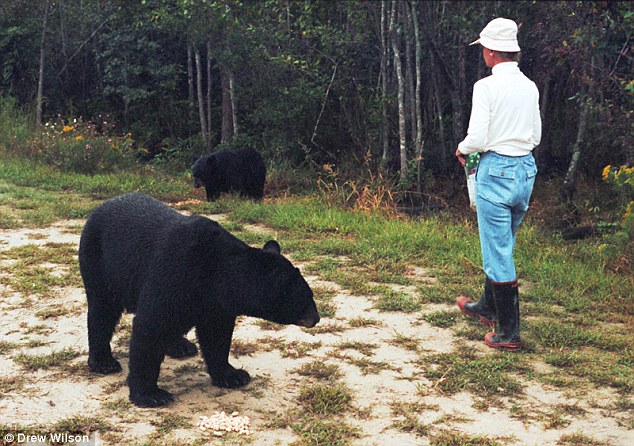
(395, 38)
(40, 82)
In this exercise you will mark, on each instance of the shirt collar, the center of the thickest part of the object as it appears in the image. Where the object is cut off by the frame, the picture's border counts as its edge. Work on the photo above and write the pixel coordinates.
(505, 67)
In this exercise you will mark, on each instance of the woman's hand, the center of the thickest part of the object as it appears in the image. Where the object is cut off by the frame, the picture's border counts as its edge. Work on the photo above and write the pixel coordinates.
(461, 158)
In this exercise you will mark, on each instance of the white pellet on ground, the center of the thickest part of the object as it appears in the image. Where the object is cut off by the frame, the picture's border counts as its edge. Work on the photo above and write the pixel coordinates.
(220, 423)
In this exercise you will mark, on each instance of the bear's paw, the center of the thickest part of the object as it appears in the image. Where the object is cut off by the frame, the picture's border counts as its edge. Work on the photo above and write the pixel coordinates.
(155, 398)
(104, 366)
(232, 378)
(181, 349)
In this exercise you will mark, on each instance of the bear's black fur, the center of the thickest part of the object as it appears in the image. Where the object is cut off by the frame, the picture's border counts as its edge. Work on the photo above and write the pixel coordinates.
(177, 272)
(241, 171)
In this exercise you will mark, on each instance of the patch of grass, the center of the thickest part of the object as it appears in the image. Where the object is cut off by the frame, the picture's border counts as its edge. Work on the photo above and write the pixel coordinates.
(298, 349)
(579, 439)
(327, 309)
(188, 369)
(366, 365)
(320, 370)
(316, 432)
(6, 347)
(45, 362)
(446, 438)
(391, 300)
(364, 348)
(10, 384)
(408, 343)
(408, 420)
(442, 319)
(599, 366)
(322, 328)
(488, 375)
(55, 311)
(290, 349)
(38, 329)
(118, 406)
(169, 422)
(361, 322)
(266, 325)
(325, 399)
(29, 277)
(244, 348)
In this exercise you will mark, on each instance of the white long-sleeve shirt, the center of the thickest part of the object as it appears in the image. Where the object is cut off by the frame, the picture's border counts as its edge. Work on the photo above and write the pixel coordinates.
(505, 114)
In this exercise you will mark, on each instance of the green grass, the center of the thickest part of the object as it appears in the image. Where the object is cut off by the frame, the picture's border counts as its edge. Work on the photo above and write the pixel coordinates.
(485, 376)
(44, 362)
(326, 399)
(576, 313)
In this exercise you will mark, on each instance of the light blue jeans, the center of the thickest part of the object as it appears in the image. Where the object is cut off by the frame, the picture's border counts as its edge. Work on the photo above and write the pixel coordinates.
(503, 189)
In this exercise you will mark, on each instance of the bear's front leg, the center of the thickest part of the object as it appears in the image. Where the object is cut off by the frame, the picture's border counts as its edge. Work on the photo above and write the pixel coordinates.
(146, 356)
(214, 337)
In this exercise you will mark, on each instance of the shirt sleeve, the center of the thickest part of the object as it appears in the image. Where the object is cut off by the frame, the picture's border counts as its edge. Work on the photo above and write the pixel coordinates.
(537, 123)
(478, 122)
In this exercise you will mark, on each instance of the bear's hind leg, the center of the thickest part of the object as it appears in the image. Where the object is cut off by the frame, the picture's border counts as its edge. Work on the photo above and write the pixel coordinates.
(102, 320)
(214, 338)
(181, 349)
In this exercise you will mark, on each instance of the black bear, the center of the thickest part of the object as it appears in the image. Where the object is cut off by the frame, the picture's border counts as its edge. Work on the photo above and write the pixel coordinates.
(177, 272)
(241, 171)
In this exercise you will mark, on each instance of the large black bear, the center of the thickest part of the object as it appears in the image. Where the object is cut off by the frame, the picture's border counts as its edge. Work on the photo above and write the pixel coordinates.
(177, 272)
(241, 171)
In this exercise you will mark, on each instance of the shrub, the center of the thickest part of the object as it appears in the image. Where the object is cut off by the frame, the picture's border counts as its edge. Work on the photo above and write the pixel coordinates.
(620, 247)
(14, 127)
(83, 147)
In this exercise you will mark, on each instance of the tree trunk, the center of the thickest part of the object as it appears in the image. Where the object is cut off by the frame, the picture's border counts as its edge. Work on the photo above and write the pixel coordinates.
(209, 94)
(40, 83)
(458, 97)
(567, 190)
(227, 113)
(190, 82)
(201, 99)
(384, 58)
(417, 104)
(410, 73)
(234, 106)
(395, 37)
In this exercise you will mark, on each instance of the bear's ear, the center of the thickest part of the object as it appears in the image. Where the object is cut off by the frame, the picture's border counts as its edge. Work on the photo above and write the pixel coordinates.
(195, 158)
(272, 246)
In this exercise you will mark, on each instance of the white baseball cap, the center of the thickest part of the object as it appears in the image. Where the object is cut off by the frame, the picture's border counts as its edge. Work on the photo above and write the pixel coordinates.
(499, 35)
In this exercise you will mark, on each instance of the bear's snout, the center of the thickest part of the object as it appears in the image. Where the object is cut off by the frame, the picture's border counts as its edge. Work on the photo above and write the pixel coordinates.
(197, 182)
(310, 318)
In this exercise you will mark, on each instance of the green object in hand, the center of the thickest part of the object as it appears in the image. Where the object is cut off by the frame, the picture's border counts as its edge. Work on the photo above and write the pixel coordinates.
(472, 161)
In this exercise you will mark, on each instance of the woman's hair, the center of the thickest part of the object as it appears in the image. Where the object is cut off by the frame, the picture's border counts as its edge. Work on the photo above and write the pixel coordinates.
(514, 56)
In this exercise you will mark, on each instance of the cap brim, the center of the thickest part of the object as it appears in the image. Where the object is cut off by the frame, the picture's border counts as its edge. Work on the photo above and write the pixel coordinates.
(475, 42)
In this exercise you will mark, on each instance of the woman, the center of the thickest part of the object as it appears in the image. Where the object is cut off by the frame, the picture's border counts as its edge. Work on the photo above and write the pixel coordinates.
(505, 126)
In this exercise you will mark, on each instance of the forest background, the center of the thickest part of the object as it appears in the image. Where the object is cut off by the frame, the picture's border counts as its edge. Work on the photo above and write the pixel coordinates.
(357, 107)
(353, 90)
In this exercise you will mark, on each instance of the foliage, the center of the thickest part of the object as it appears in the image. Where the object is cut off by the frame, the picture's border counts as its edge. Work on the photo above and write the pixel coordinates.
(83, 147)
(620, 246)
(308, 80)
(368, 193)
(15, 130)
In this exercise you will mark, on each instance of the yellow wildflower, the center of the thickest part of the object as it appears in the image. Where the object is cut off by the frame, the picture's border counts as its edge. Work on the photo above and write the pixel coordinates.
(606, 172)
(79, 138)
(68, 128)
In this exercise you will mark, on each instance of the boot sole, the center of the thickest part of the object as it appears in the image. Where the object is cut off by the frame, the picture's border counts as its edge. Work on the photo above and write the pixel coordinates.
(508, 346)
(483, 320)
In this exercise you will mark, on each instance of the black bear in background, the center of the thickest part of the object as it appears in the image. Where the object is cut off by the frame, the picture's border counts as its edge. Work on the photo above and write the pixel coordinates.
(177, 272)
(241, 171)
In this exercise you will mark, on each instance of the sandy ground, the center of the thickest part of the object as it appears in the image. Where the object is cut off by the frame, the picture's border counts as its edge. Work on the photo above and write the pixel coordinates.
(45, 397)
